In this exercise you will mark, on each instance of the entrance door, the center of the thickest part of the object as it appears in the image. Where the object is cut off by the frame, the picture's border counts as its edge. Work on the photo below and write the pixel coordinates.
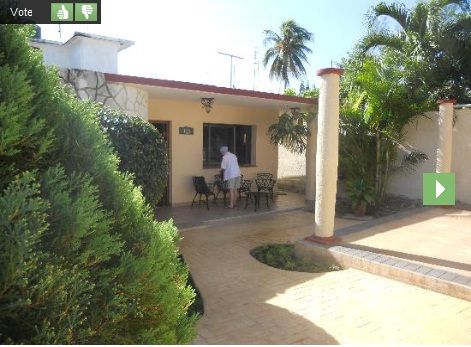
(164, 129)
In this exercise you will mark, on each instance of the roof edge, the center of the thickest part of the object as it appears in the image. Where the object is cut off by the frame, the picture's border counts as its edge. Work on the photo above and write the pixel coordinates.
(205, 88)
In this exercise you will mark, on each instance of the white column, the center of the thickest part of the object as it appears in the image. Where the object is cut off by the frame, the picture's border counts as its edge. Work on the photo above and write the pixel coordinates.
(445, 135)
(327, 152)
(311, 167)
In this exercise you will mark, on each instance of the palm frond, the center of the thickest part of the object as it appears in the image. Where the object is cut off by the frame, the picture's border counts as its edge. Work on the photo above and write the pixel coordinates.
(374, 39)
(270, 37)
(395, 11)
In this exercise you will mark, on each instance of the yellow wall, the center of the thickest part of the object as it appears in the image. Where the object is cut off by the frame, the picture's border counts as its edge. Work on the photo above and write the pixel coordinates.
(187, 150)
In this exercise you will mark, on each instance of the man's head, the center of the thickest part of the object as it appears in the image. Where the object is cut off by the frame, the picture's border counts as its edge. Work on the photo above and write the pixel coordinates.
(223, 150)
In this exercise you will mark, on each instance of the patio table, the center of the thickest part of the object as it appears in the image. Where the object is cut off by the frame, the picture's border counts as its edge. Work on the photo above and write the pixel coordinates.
(257, 196)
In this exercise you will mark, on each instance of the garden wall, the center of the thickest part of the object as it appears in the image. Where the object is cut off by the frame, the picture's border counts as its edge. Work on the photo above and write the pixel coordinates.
(291, 171)
(423, 135)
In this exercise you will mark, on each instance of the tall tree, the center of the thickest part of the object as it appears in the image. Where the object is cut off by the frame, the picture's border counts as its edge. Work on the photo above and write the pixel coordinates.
(432, 42)
(287, 51)
(376, 106)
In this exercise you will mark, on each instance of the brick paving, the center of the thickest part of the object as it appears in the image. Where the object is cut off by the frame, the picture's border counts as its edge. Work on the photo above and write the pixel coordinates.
(249, 302)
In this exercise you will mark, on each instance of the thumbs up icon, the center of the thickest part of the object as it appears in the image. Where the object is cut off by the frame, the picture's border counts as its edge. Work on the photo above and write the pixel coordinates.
(63, 14)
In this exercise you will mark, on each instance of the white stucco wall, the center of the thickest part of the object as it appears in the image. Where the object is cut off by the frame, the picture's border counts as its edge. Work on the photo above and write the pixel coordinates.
(290, 164)
(95, 55)
(82, 53)
(461, 163)
(423, 135)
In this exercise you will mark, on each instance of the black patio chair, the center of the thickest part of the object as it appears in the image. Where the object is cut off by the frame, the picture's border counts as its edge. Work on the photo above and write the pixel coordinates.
(245, 186)
(265, 182)
(201, 188)
(221, 186)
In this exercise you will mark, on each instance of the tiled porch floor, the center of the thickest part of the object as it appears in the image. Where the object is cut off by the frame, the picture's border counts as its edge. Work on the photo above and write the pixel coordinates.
(188, 217)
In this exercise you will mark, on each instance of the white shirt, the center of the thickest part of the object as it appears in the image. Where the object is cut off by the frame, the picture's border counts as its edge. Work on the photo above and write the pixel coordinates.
(230, 165)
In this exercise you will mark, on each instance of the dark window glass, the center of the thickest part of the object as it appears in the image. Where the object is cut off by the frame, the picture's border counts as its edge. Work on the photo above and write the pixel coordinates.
(237, 137)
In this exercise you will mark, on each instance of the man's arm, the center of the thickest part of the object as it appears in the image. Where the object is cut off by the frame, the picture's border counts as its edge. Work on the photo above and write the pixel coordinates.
(223, 167)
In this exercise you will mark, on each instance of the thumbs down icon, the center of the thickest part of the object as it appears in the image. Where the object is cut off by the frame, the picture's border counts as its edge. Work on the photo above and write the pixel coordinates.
(86, 12)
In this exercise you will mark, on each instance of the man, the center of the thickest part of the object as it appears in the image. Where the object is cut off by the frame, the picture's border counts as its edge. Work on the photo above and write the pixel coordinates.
(231, 173)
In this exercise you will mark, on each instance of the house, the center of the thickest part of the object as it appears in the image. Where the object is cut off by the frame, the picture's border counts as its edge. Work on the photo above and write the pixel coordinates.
(196, 119)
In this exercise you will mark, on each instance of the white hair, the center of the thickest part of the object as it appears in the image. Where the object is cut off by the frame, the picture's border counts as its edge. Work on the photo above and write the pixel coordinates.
(223, 150)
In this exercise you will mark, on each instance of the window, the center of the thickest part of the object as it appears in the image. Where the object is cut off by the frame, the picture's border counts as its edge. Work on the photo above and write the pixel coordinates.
(237, 137)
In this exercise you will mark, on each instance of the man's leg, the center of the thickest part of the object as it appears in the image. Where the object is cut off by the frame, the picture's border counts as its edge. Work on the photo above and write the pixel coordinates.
(233, 195)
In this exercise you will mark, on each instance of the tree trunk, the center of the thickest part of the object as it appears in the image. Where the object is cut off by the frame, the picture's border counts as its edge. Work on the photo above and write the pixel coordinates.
(385, 177)
(378, 166)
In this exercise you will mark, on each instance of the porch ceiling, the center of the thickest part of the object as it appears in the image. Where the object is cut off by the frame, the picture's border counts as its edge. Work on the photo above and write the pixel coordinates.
(168, 89)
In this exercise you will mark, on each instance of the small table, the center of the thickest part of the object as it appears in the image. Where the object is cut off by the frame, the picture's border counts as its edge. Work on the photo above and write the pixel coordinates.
(257, 195)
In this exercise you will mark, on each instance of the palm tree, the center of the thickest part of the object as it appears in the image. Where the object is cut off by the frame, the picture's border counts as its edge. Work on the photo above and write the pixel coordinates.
(287, 51)
(434, 38)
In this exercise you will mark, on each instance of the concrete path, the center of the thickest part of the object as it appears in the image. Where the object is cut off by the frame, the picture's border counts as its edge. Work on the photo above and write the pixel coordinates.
(436, 236)
(249, 302)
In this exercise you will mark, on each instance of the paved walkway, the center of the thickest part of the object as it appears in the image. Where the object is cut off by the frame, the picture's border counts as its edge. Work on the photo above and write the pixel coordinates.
(435, 236)
(249, 302)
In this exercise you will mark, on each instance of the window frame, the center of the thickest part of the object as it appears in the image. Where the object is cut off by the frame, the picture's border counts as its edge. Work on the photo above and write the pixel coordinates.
(234, 127)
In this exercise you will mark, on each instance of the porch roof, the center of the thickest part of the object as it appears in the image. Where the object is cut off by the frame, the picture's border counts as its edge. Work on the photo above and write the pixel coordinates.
(159, 88)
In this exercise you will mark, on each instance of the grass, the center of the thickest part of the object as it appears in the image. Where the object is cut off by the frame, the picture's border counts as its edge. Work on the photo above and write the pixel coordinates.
(282, 256)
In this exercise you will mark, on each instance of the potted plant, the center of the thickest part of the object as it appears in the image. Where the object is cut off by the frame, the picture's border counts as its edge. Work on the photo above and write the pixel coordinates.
(361, 194)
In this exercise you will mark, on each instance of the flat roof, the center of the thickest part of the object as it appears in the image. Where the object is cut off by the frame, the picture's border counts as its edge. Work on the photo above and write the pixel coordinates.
(200, 90)
(123, 44)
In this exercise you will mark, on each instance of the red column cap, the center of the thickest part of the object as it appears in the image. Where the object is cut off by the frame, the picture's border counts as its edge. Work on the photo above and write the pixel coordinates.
(446, 101)
(329, 70)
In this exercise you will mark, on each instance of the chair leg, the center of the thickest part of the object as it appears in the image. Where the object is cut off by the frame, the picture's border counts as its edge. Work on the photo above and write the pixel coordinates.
(271, 195)
(199, 202)
(207, 201)
(194, 200)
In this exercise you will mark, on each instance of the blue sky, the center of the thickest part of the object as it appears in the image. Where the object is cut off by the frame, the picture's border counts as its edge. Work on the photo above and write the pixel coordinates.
(179, 39)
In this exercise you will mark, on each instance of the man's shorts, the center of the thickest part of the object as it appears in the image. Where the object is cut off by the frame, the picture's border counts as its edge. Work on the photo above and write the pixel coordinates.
(233, 183)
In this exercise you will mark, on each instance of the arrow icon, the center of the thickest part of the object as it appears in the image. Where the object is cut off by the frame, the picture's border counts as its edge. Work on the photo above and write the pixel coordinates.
(439, 189)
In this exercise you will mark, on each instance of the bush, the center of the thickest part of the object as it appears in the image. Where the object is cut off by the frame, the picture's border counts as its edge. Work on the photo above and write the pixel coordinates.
(141, 149)
(282, 256)
(81, 258)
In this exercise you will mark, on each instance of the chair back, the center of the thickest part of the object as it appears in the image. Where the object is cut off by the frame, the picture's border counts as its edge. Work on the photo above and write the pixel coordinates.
(245, 186)
(264, 180)
(201, 187)
(219, 182)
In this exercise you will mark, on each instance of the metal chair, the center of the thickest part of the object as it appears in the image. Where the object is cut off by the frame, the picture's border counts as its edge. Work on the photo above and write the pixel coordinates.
(201, 188)
(245, 186)
(265, 182)
(221, 186)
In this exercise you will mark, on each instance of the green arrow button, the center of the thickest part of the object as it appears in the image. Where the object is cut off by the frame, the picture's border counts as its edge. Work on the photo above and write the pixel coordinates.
(438, 189)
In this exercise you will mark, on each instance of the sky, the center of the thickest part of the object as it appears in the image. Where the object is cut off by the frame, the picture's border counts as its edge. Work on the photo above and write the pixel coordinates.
(179, 39)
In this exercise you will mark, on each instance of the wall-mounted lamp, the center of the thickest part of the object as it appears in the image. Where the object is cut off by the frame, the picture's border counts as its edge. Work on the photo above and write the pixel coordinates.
(207, 104)
(295, 110)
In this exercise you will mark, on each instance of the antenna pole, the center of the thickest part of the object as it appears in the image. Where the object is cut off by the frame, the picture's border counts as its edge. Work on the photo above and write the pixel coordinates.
(231, 56)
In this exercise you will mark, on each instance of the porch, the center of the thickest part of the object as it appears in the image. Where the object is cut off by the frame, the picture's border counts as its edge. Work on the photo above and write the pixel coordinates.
(186, 217)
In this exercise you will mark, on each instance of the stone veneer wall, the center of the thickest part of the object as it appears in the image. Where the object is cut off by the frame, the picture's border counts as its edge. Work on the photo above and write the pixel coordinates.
(92, 85)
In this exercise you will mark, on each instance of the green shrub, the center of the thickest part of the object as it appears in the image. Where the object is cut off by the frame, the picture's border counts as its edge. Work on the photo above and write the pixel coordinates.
(81, 258)
(141, 149)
